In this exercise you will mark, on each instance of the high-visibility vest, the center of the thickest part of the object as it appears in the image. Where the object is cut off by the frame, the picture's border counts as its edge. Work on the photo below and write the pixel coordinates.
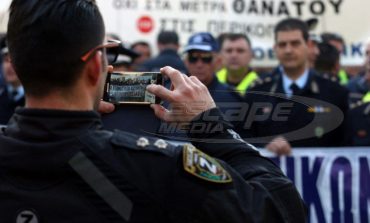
(343, 77)
(366, 97)
(243, 85)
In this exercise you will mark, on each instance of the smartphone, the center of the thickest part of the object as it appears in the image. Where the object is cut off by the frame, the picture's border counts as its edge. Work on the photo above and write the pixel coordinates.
(130, 87)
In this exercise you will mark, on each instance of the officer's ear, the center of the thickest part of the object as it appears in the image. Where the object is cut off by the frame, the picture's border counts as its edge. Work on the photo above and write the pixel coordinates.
(94, 68)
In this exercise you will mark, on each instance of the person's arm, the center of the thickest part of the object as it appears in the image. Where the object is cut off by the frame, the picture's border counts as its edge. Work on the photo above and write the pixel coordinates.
(263, 182)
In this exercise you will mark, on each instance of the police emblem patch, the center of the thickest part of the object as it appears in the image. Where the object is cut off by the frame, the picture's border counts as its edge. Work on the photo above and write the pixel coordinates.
(28, 216)
(203, 166)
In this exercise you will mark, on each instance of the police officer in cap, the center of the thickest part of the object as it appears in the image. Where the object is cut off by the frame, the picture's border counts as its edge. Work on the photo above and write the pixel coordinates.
(58, 165)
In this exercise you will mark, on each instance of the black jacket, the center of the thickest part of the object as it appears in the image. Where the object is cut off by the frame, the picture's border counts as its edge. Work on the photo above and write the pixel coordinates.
(7, 106)
(359, 116)
(60, 166)
(316, 116)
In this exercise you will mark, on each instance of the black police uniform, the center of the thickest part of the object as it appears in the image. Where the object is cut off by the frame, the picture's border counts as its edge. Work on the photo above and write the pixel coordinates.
(7, 105)
(60, 166)
(167, 57)
(305, 122)
(359, 116)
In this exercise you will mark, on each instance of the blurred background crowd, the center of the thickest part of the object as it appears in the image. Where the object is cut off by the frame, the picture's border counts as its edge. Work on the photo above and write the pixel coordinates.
(309, 67)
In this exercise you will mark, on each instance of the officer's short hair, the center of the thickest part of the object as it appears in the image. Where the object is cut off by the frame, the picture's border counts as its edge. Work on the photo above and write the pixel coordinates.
(47, 39)
(327, 59)
(168, 37)
(233, 37)
(291, 24)
(329, 36)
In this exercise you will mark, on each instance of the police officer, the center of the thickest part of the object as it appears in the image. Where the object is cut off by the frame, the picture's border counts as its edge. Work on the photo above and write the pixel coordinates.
(168, 45)
(337, 41)
(58, 165)
(236, 53)
(294, 102)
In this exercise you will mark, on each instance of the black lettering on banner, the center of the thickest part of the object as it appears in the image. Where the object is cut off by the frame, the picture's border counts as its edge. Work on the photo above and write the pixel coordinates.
(268, 7)
(238, 6)
(157, 5)
(283, 9)
(178, 25)
(253, 7)
(317, 8)
(188, 6)
(298, 5)
(336, 5)
(202, 6)
(125, 4)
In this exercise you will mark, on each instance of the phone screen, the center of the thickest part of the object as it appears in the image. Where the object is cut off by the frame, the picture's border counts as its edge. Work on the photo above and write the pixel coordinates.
(130, 87)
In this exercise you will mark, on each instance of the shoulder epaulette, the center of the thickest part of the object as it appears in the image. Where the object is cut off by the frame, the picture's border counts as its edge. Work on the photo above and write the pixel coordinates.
(136, 142)
(330, 77)
(260, 81)
(356, 104)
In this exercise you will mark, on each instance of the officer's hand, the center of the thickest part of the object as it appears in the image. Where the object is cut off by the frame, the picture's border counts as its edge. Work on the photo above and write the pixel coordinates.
(188, 97)
(279, 146)
(105, 107)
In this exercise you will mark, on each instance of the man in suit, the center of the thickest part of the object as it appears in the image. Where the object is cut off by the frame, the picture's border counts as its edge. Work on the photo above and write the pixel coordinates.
(294, 106)
(11, 92)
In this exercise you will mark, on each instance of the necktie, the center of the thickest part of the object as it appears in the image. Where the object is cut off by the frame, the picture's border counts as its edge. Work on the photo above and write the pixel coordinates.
(295, 89)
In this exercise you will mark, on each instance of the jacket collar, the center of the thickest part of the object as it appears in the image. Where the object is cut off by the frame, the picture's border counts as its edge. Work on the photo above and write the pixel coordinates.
(43, 124)
(277, 86)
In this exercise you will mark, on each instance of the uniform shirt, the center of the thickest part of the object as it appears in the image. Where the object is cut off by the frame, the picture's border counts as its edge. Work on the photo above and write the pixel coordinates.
(300, 82)
(60, 166)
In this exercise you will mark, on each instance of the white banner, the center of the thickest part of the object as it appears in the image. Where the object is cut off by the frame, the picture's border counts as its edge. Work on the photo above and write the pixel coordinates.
(143, 19)
(334, 183)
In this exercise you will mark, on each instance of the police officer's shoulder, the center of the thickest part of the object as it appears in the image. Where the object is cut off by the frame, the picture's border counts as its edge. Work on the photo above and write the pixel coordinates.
(126, 140)
(327, 78)
(329, 82)
(261, 83)
(198, 164)
(360, 107)
(195, 162)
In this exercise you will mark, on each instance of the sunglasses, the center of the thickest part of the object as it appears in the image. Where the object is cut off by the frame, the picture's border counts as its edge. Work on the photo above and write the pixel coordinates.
(205, 58)
(112, 51)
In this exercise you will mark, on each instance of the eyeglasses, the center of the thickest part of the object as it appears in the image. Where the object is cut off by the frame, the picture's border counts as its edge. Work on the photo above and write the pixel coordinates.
(204, 57)
(112, 51)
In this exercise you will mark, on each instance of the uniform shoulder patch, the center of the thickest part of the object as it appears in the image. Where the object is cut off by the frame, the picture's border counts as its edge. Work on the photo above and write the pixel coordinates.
(203, 166)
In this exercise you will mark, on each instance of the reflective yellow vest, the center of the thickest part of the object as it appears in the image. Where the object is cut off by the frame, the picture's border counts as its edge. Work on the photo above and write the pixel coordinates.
(343, 77)
(243, 85)
(366, 97)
